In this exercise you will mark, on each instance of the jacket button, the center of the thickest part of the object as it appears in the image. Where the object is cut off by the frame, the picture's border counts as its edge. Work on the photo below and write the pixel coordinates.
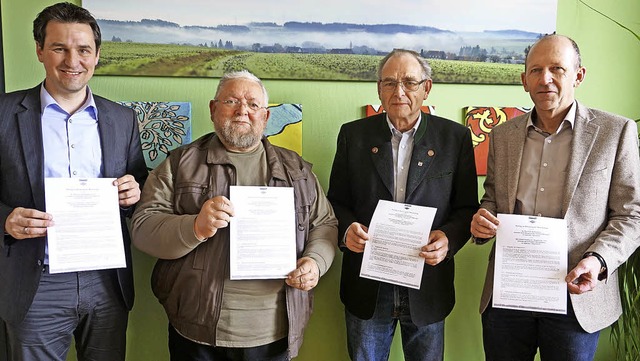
(374, 150)
(39, 263)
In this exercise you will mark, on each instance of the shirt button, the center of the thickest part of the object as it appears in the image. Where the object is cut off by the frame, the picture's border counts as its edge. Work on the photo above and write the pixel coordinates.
(544, 164)
(542, 189)
(548, 140)
(75, 173)
(539, 214)
(73, 145)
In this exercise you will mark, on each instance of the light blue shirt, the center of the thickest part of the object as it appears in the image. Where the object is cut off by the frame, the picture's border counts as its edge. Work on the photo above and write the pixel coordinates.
(71, 142)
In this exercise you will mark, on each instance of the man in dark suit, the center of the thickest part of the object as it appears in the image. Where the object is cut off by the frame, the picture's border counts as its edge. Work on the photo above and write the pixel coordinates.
(59, 129)
(409, 157)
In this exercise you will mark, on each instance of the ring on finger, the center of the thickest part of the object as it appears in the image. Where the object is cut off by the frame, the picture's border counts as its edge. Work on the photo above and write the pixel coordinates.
(26, 230)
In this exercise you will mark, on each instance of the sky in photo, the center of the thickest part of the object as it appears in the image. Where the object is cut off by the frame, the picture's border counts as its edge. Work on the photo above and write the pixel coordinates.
(456, 15)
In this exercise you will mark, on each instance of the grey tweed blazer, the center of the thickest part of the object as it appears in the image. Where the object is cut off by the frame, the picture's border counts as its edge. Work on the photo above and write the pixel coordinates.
(601, 201)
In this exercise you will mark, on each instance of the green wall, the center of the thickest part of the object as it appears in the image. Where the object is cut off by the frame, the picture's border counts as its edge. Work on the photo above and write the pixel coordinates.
(610, 55)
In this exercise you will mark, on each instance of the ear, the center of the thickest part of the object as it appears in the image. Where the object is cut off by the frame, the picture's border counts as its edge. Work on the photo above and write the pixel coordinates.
(427, 88)
(212, 107)
(580, 74)
(97, 57)
(523, 77)
(39, 52)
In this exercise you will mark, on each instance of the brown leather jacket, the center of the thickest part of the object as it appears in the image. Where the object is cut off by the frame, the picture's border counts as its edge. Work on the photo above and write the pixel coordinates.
(190, 287)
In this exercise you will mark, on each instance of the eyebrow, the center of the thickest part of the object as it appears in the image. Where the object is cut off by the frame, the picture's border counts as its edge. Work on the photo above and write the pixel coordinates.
(58, 44)
(406, 78)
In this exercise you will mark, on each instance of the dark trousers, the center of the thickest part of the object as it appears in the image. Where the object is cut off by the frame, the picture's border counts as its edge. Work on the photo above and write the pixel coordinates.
(512, 335)
(85, 305)
(183, 349)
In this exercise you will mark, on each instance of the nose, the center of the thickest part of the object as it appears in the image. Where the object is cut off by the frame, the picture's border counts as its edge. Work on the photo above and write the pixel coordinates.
(399, 90)
(547, 77)
(242, 108)
(71, 59)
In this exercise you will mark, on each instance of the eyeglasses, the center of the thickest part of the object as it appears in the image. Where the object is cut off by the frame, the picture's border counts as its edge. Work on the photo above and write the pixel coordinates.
(235, 103)
(407, 85)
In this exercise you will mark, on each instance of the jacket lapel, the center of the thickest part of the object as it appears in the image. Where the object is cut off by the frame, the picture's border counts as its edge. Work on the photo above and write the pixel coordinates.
(30, 128)
(381, 151)
(108, 139)
(515, 147)
(584, 136)
(426, 147)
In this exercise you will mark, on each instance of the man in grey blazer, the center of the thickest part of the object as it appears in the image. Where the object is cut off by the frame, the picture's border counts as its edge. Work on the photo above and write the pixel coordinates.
(410, 157)
(59, 129)
(562, 160)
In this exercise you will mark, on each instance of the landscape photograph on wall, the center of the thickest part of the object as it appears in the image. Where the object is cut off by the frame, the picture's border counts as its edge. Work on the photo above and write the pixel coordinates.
(465, 41)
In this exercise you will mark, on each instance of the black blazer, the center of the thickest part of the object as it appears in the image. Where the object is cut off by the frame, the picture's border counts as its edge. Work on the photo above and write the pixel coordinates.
(442, 174)
(22, 185)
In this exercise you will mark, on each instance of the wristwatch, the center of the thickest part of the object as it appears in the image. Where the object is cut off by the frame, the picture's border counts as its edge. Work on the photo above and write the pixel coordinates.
(603, 265)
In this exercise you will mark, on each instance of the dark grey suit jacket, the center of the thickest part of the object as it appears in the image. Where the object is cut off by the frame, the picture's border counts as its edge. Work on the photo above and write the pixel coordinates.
(22, 185)
(442, 174)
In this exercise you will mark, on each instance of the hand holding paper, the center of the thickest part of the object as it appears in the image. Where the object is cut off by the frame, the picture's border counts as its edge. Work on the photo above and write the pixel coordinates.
(306, 276)
(128, 190)
(356, 237)
(214, 214)
(436, 250)
(584, 277)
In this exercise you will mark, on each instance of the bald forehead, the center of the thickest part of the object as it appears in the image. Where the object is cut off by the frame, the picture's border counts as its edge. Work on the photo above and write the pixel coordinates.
(557, 42)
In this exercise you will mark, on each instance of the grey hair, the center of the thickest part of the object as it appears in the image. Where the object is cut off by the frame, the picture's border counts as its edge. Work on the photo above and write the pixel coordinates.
(242, 74)
(424, 64)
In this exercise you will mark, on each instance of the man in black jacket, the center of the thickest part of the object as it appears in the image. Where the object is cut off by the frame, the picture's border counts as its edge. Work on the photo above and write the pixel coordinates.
(409, 157)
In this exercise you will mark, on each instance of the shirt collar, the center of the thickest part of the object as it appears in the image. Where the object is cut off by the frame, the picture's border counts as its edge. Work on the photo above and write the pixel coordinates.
(413, 129)
(47, 100)
(569, 119)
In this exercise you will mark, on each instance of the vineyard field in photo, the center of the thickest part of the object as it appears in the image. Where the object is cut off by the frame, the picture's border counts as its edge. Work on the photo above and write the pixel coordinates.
(129, 58)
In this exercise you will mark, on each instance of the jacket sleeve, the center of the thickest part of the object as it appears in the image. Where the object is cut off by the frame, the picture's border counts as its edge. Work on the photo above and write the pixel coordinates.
(155, 229)
(339, 193)
(621, 236)
(136, 165)
(464, 197)
(323, 233)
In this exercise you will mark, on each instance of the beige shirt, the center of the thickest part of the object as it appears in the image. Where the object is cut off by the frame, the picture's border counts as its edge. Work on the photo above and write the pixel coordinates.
(543, 172)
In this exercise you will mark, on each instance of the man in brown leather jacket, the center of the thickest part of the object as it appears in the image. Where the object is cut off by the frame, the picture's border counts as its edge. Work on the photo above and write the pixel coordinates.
(183, 219)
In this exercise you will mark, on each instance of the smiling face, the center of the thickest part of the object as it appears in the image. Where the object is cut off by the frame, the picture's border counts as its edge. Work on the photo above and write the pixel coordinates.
(402, 106)
(69, 56)
(238, 127)
(552, 73)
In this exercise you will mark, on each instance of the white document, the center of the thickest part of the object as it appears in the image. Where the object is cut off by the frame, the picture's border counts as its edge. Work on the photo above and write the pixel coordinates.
(397, 232)
(263, 232)
(87, 234)
(531, 264)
